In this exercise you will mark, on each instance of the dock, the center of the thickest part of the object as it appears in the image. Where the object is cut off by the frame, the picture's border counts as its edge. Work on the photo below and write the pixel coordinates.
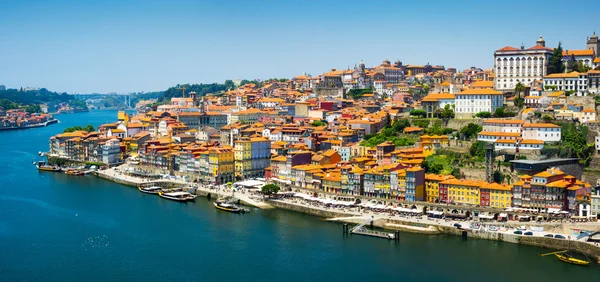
(362, 230)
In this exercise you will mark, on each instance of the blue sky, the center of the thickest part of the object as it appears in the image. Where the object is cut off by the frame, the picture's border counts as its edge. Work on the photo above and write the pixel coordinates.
(125, 46)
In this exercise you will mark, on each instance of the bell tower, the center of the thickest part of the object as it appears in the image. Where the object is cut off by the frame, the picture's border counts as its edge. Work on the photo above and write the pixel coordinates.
(593, 44)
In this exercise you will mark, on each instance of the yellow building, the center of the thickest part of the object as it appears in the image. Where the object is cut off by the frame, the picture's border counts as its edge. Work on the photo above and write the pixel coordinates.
(432, 186)
(500, 195)
(332, 183)
(464, 191)
(221, 164)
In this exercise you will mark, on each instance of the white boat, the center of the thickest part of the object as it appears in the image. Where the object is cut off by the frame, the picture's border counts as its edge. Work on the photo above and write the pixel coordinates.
(150, 190)
(178, 196)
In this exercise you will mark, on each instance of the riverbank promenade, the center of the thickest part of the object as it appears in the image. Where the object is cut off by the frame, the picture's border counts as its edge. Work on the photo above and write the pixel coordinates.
(119, 175)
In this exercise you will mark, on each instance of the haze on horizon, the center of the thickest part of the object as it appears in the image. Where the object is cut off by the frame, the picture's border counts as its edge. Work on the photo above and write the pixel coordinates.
(130, 46)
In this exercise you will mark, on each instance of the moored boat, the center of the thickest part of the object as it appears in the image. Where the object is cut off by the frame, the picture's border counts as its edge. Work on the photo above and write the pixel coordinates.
(177, 196)
(43, 166)
(150, 190)
(569, 259)
(229, 206)
(73, 172)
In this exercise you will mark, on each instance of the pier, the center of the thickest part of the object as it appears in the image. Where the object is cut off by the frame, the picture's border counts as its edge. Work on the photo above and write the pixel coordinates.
(361, 229)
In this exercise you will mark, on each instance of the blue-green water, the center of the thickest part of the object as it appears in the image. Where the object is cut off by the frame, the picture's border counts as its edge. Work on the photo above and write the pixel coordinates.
(59, 227)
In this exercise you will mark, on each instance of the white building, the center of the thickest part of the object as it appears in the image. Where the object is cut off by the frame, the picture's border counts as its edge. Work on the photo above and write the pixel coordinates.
(503, 125)
(572, 81)
(546, 132)
(111, 151)
(586, 57)
(472, 101)
(595, 211)
(513, 65)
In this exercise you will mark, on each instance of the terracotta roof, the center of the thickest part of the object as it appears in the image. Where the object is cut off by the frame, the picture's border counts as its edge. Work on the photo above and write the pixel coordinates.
(507, 48)
(412, 129)
(504, 121)
(540, 125)
(483, 84)
(531, 141)
(573, 74)
(483, 91)
(505, 134)
(586, 52)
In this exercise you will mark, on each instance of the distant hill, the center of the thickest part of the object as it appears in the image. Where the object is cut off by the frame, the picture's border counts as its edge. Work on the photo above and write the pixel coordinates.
(201, 89)
(18, 98)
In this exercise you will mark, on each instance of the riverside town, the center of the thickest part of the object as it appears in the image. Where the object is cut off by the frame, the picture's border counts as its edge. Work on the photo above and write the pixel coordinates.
(505, 153)
(298, 141)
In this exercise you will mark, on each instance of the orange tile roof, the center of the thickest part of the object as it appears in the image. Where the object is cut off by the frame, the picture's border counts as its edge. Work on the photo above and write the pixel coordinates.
(508, 48)
(505, 134)
(508, 141)
(483, 84)
(586, 52)
(412, 129)
(572, 74)
(504, 121)
(483, 91)
(540, 125)
(531, 141)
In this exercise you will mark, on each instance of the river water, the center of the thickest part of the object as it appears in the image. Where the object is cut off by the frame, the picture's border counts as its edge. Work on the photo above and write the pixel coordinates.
(59, 227)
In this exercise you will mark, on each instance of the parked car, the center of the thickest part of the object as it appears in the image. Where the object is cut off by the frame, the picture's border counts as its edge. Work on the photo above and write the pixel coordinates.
(558, 236)
(519, 232)
(522, 227)
(528, 233)
(457, 225)
(549, 235)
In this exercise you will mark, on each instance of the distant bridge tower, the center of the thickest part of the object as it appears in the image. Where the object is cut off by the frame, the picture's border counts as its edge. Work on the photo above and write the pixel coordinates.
(489, 162)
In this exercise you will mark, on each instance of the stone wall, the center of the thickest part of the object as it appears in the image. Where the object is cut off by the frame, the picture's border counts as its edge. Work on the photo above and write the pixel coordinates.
(458, 124)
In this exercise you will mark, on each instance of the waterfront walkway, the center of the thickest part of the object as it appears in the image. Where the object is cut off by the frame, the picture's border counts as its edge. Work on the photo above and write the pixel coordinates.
(117, 174)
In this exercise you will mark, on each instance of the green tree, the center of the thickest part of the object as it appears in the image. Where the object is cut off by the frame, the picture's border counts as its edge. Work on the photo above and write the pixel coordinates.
(519, 88)
(477, 150)
(418, 113)
(547, 118)
(446, 113)
(438, 164)
(471, 130)
(571, 64)
(88, 128)
(555, 63)
(483, 114)
(581, 67)
(33, 109)
(269, 189)
(574, 143)
(400, 124)
(318, 123)
(502, 112)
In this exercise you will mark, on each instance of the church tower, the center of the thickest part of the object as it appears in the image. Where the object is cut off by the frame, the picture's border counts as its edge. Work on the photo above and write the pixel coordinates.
(594, 44)
(541, 42)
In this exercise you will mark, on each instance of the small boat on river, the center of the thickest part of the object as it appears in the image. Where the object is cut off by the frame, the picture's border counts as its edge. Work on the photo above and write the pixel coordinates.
(569, 259)
(177, 196)
(74, 172)
(228, 205)
(150, 190)
(43, 166)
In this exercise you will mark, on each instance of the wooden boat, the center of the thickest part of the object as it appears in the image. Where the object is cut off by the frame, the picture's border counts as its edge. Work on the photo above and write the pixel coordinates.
(73, 172)
(569, 259)
(229, 206)
(43, 166)
(150, 190)
(177, 196)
